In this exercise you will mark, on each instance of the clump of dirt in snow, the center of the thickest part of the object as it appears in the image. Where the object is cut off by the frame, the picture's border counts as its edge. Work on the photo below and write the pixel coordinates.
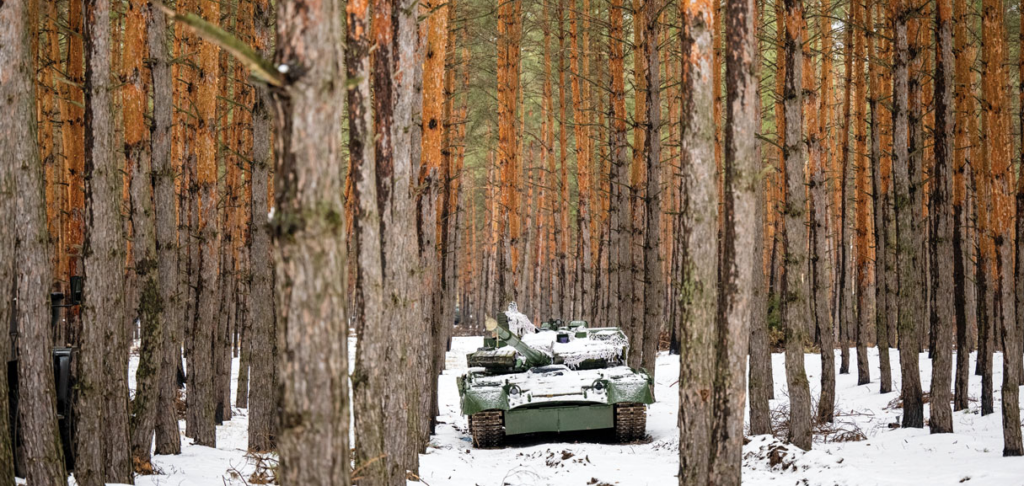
(765, 452)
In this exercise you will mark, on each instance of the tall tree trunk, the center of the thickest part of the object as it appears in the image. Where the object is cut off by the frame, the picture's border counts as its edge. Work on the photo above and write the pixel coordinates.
(202, 360)
(103, 299)
(652, 275)
(309, 243)
(168, 439)
(263, 395)
(964, 110)
(15, 141)
(73, 134)
(150, 302)
(738, 248)
(997, 145)
(584, 156)
(620, 279)
(433, 211)
(879, 204)
(508, 148)
(842, 227)
(907, 216)
(796, 285)
(760, 377)
(699, 210)
(386, 211)
(942, 314)
(820, 276)
(26, 248)
(861, 210)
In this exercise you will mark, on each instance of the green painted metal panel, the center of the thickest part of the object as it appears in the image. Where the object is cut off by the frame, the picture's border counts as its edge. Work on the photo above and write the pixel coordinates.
(559, 419)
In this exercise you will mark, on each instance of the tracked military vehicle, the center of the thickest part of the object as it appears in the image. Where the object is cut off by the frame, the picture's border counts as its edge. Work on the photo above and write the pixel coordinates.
(558, 378)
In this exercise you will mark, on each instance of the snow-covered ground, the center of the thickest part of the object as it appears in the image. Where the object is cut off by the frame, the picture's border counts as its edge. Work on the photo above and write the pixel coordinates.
(971, 455)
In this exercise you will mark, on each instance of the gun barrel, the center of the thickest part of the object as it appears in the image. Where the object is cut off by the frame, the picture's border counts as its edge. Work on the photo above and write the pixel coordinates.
(534, 357)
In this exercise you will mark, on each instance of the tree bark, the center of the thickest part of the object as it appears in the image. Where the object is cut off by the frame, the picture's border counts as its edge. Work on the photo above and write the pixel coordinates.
(842, 225)
(263, 395)
(103, 265)
(652, 278)
(584, 156)
(907, 223)
(861, 210)
(202, 360)
(760, 375)
(24, 262)
(878, 192)
(738, 246)
(997, 146)
(821, 310)
(309, 246)
(386, 212)
(796, 285)
(150, 304)
(620, 279)
(942, 313)
(699, 210)
(964, 110)
(168, 439)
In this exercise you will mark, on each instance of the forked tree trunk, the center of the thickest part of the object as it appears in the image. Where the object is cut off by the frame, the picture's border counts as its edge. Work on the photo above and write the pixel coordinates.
(699, 210)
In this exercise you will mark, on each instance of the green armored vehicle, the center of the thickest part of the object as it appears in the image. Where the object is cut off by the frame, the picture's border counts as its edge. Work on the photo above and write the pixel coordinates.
(559, 378)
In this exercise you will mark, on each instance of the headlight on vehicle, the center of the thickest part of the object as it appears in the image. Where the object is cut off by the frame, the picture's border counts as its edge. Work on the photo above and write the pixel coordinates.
(598, 385)
(514, 390)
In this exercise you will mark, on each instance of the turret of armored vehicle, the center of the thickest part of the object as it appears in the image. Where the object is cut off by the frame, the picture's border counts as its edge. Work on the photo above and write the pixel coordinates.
(558, 378)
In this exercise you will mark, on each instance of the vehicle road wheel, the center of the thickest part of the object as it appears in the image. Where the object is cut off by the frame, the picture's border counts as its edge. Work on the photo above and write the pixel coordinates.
(630, 422)
(487, 428)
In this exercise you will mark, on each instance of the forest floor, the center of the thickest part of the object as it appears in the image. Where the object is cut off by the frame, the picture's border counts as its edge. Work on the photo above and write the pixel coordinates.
(882, 456)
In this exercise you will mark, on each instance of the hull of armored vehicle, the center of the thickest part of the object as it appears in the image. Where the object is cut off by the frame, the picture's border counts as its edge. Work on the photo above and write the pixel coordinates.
(559, 379)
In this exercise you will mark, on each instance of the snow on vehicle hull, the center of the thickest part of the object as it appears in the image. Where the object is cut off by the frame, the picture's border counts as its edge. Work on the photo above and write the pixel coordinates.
(558, 379)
